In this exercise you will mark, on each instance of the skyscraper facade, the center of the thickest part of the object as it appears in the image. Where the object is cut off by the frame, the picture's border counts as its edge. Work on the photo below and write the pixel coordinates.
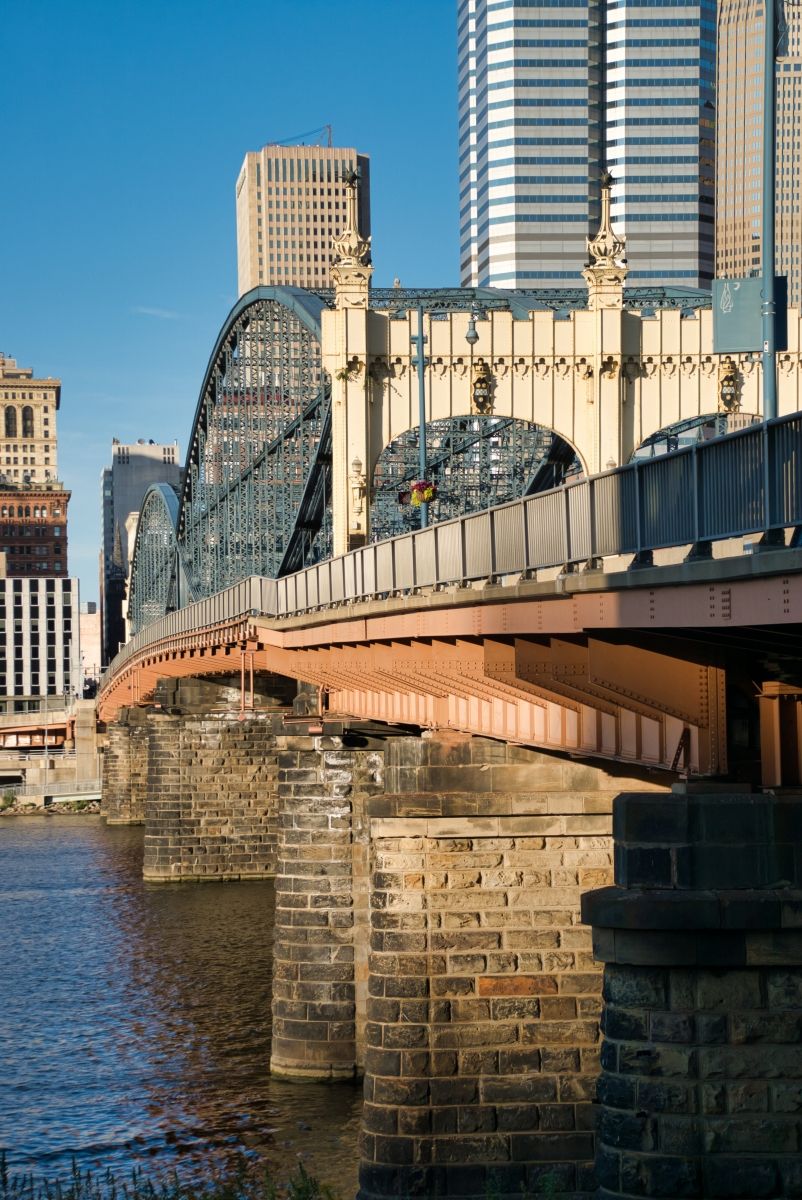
(739, 153)
(290, 204)
(529, 139)
(659, 119)
(550, 91)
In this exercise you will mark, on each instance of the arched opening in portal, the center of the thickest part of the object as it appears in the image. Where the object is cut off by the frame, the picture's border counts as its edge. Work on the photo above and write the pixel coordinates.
(691, 432)
(474, 462)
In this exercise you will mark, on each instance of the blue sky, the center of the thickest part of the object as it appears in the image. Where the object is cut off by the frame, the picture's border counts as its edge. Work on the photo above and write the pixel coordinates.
(124, 127)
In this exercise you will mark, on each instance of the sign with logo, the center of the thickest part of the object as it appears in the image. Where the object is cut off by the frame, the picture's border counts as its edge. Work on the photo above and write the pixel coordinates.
(737, 317)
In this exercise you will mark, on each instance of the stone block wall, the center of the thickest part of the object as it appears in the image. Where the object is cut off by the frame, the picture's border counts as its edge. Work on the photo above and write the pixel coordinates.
(211, 810)
(701, 1086)
(320, 948)
(484, 998)
(125, 770)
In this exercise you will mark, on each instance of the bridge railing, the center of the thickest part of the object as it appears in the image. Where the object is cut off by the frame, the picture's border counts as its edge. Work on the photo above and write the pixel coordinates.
(744, 483)
(747, 482)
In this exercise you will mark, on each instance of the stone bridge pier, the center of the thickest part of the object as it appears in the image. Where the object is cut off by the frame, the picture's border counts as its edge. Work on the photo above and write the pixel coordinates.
(428, 937)
(200, 774)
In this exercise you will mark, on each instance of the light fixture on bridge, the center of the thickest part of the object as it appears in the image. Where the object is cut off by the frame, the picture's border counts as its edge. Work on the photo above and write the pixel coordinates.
(471, 336)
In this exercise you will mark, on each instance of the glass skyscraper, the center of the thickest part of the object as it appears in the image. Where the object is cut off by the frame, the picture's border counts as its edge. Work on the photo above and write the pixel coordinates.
(739, 157)
(549, 93)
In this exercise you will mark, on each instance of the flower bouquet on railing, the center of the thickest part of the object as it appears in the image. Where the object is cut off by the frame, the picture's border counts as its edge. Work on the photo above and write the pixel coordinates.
(423, 492)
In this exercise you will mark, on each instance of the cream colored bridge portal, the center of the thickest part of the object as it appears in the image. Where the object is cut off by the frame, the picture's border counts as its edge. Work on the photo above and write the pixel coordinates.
(604, 378)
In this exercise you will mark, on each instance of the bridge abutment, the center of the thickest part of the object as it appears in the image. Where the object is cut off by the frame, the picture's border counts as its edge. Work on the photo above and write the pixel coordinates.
(211, 807)
(320, 954)
(484, 998)
(701, 940)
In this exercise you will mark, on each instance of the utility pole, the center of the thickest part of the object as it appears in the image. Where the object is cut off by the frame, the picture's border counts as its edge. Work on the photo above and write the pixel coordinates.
(768, 307)
(420, 362)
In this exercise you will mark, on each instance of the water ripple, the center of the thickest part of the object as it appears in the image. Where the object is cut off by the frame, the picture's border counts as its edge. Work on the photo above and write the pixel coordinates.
(135, 1019)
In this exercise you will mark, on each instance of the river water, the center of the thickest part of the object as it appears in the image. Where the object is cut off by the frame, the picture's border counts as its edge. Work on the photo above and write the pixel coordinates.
(135, 1018)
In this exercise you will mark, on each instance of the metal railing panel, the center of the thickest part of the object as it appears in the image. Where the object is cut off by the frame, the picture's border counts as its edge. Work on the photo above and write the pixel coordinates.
(732, 485)
(349, 577)
(785, 458)
(450, 564)
(578, 516)
(614, 512)
(404, 556)
(325, 582)
(477, 540)
(337, 580)
(666, 500)
(425, 550)
(509, 539)
(385, 581)
(545, 522)
(368, 556)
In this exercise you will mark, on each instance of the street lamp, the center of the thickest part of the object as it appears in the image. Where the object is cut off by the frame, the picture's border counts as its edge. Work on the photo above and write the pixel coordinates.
(420, 362)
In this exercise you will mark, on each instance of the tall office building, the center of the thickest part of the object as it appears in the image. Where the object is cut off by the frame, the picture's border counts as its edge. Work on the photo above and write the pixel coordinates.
(549, 93)
(291, 202)
(739, 166)
(33, 504)
(39, 637)
(529, 140)
(659, 100)
(133, 469)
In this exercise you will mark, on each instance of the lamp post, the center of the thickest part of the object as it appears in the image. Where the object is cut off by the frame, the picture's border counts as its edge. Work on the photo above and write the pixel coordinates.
(420, 362)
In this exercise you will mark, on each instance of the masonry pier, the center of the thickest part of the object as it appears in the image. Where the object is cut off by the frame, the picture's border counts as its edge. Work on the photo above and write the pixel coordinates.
(701, 940)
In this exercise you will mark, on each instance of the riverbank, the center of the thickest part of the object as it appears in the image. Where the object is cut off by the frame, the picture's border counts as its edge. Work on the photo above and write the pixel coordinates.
(19, 807)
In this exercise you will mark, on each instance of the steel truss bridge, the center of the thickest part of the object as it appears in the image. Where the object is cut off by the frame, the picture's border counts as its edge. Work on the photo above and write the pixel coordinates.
(255, 496)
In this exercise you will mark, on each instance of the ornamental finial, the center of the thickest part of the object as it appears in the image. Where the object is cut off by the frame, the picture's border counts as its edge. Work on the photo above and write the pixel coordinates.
(350, 248)
(607, 248)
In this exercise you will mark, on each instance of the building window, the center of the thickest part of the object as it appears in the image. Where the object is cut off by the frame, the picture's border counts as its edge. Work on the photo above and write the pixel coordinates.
(27, 421)
(11, 421)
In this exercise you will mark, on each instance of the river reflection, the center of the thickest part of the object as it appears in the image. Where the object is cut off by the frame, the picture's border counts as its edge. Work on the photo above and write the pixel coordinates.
(135, 1019)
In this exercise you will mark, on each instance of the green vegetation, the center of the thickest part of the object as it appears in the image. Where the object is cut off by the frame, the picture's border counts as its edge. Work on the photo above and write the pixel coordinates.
(6, 800)
(244, 1183)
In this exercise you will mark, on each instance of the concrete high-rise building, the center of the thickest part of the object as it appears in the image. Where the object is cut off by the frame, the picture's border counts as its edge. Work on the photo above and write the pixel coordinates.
(33, 504)
(290, 204)
(529, 140)
(28, 443)
(133, 469)
(659, 120)
(739, 147)
(39, 636)
(551, 92)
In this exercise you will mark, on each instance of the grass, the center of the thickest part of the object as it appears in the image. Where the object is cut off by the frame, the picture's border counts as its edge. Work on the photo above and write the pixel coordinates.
(243, 1183)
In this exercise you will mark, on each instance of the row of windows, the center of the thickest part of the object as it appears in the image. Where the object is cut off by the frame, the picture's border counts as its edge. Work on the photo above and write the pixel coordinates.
(286, 170)
(629, 43)
(579, 82)
(10, 421)
(539, 23)
(533, 43)
(26, 510)
(650, 23)
(28, 531)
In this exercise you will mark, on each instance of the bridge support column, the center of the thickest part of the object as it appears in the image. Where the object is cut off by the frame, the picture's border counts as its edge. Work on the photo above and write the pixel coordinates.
(320, 958)
(484, 999)
(125, 769)
(701, 1090)
(211, 811)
